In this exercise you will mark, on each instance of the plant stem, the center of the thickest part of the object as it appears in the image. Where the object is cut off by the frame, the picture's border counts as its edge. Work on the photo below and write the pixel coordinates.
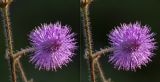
(17, 57)
(101, 72)
(85, 14)
(8, 35)
(24, 78)
(7, 28)
(92, 70)
(13, 69)
(23, 51)
(102, 51)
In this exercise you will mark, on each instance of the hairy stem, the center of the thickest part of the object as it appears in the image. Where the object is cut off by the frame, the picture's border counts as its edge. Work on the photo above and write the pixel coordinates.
(17, 57)
(87, 33)
(8, 35)
(24, 78)
(92, 70)
(22, 52)
(7, 27)
(102, 51)
(101, 72)
(85, 14)
(13, 69)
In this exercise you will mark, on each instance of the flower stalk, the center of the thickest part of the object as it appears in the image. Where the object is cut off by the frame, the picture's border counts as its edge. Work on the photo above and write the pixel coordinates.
(7, 27)
(4, 4)
(85, 12)
(22, 52)
(101, 52)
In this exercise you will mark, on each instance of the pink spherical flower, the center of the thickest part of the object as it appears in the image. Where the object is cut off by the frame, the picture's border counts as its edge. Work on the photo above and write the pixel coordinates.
(133, 46)
(54, 46)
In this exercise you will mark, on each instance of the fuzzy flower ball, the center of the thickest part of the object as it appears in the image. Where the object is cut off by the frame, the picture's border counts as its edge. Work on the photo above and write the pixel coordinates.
(133, 45)
(54, 46)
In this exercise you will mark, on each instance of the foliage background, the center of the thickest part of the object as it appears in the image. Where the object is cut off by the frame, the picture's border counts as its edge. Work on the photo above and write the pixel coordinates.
(25, 15)
(105, 14)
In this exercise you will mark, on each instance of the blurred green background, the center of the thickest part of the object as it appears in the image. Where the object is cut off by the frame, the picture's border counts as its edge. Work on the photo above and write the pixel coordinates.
(25, 15)
(105, 15)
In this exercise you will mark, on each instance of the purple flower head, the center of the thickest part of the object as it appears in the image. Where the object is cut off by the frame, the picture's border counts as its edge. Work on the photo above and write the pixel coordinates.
(54, 46)
(133, 46)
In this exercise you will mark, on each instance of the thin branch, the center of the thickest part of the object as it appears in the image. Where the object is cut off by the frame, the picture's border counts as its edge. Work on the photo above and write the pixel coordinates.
(101, 72)
(24, 78)
(22, 52)
(102, 51)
